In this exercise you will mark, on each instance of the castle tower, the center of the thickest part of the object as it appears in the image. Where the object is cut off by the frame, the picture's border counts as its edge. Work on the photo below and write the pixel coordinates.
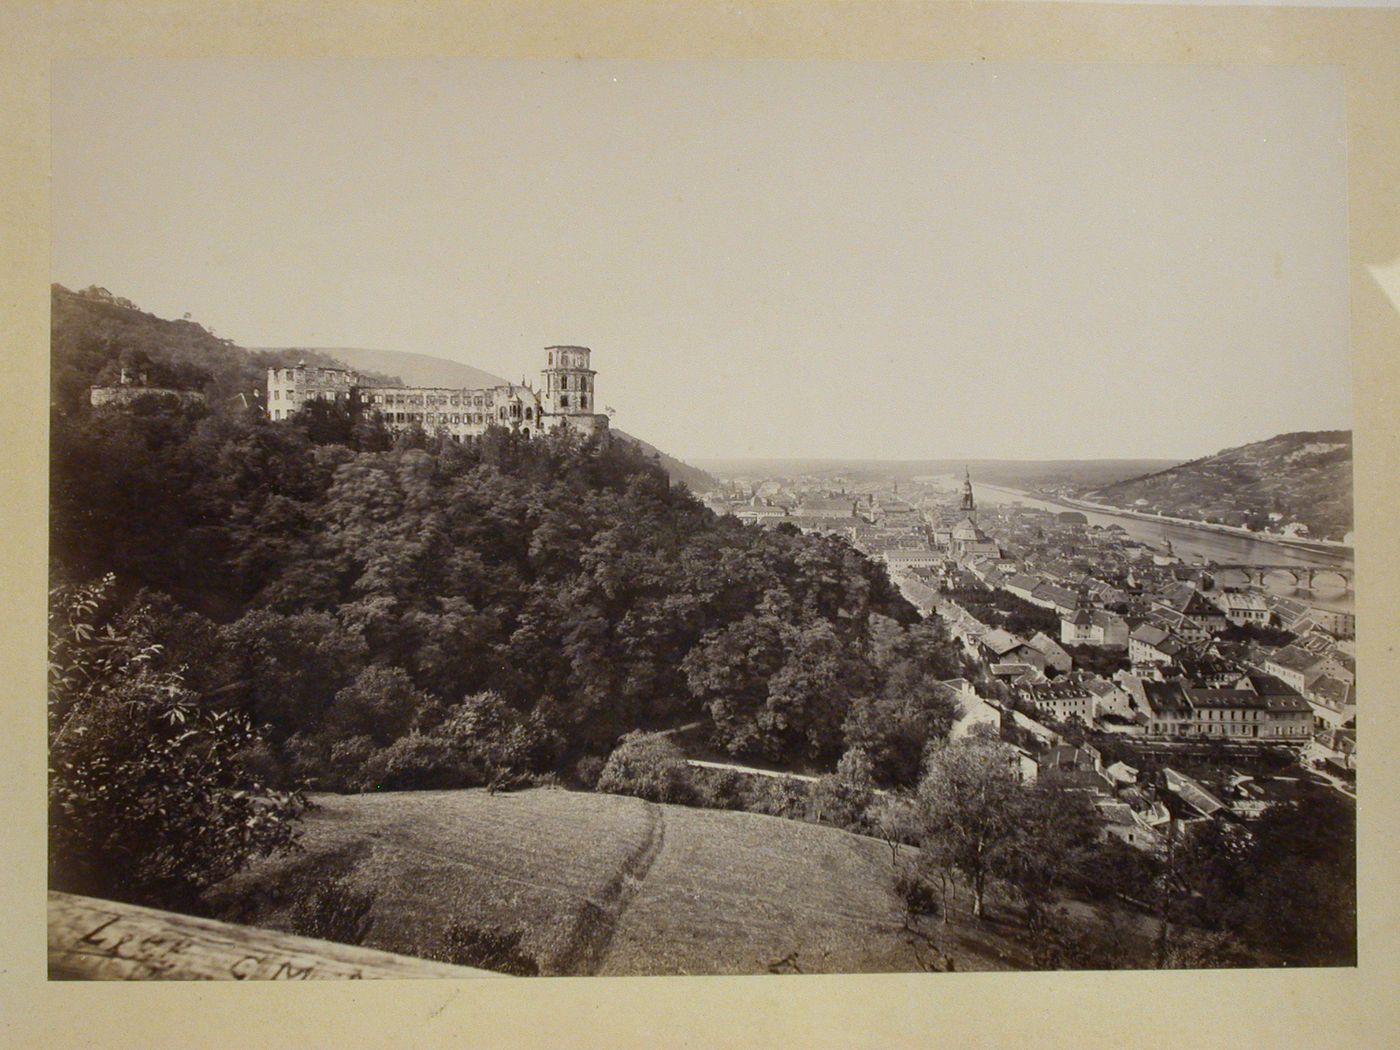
(568, 382)
(969, 504)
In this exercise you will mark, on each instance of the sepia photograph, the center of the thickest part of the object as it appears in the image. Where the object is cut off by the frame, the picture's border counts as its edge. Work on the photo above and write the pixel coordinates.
(614, 518)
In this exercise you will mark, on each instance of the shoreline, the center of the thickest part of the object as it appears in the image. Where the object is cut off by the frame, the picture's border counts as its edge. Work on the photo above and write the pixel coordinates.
(1320, 547)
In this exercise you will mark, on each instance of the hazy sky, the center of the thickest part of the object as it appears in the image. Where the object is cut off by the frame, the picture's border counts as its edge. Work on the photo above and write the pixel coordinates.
(882, 259)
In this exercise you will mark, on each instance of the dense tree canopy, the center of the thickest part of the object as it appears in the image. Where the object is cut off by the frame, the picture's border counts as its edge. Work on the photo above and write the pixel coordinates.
(338, 584)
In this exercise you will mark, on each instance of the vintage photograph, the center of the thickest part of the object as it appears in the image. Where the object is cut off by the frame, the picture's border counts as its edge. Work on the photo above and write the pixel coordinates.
(536, 518)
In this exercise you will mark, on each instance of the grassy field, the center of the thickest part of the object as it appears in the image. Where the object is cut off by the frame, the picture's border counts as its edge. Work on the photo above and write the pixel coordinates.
(603, 884)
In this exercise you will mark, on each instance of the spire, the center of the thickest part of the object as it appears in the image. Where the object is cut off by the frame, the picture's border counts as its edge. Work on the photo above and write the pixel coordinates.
(969, 502)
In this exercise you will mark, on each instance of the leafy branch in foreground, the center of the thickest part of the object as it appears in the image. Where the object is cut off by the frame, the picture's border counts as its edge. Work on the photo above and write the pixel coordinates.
(149, 798)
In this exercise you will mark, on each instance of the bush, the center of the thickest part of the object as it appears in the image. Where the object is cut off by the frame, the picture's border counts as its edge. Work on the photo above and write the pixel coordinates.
(487, 948)
(720, 788)
(381, 703)
(587, 770)
(334, 911)
(920, 895)
(842, 798)
(152, 797)
(778, 797)
(414, 762)
(499, 740)
(648, 766)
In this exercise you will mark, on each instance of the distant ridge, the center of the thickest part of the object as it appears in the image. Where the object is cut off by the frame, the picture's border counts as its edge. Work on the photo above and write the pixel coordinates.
(426, 370)
(1300, 477)
(1017, 473)
(413, 369)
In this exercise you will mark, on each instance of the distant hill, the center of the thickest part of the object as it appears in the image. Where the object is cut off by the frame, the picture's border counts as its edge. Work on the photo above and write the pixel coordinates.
(1017, 473)
(411, 369)
(426, 370)
(1304, 477)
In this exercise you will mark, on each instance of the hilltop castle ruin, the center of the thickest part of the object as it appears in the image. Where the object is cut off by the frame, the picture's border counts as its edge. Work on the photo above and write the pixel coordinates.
(566, 400)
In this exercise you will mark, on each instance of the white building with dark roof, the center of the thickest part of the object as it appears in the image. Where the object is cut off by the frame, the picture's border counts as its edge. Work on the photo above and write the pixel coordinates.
(566, 399)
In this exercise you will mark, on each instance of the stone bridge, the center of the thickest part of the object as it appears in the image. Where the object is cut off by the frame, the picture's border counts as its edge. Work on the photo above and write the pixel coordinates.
(1307, 576)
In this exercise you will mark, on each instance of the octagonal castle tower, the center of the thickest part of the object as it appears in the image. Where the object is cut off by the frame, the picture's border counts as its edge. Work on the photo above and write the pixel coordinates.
(569, 398)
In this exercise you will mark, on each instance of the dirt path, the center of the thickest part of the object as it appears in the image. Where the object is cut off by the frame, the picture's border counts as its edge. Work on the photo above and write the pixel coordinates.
(588, 942)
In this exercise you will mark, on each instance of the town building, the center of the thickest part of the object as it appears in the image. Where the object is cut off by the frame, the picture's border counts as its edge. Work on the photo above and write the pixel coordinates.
(839, 506)
(1149, 644)
(1295, 666)
(1336, 622)
(1096, 627)
(1185, 599)
(908, 558)
(1191, 791)
(1055, 657)
(1002, 647)
(1063, 701)
(1119, 820)
(566, 399)
(1176, 708)
(1074, 769)
(1242, 607)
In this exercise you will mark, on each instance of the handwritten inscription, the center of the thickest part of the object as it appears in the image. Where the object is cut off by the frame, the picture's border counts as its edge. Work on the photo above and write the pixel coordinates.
(106, 940)
(152, 952)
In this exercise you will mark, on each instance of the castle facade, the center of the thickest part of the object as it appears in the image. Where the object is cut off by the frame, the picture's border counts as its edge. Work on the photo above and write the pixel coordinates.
(566, 399)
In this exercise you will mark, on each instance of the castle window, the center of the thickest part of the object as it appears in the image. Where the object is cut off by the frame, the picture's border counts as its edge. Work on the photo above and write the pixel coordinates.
(583, 401)
(277, 395)
(563, 382)
(563, 400)
(529, 413)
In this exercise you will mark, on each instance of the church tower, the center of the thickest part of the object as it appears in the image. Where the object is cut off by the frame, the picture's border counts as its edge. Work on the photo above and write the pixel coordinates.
(969, 504)
(568, 382)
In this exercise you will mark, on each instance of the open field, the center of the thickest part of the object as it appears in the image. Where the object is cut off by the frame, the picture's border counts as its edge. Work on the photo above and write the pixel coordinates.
(604, 884)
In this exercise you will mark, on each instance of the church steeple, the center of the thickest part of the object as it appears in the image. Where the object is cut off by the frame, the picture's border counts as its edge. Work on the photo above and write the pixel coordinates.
(969, 503)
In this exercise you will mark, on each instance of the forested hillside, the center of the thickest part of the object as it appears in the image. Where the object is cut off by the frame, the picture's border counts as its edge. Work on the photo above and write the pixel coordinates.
(374, 601)
(94, 334)
(1303, 477)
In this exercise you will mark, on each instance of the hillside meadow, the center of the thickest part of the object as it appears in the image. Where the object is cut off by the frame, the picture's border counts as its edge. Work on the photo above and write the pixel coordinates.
(610, 885)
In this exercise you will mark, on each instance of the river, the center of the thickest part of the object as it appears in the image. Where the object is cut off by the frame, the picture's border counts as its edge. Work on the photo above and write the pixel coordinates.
(1196, 544)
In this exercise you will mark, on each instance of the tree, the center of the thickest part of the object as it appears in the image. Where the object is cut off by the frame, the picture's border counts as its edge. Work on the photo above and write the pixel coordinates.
(969, 796)
(1054, 831)
(149, 798)
(896, 730)
(843, 798)
(1285, 887)
(381, 704)
(809, 696)
(648, 766)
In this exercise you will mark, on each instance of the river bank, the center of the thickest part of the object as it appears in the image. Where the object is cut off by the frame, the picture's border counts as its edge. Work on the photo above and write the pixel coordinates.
(1235, 545)
(1195, 542)
(1318, 546)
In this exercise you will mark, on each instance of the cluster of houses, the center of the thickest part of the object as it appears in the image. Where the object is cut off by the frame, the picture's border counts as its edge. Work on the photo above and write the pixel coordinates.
(1180, 673)
(1146, 647)
(1148, 650)
(1142, 809)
